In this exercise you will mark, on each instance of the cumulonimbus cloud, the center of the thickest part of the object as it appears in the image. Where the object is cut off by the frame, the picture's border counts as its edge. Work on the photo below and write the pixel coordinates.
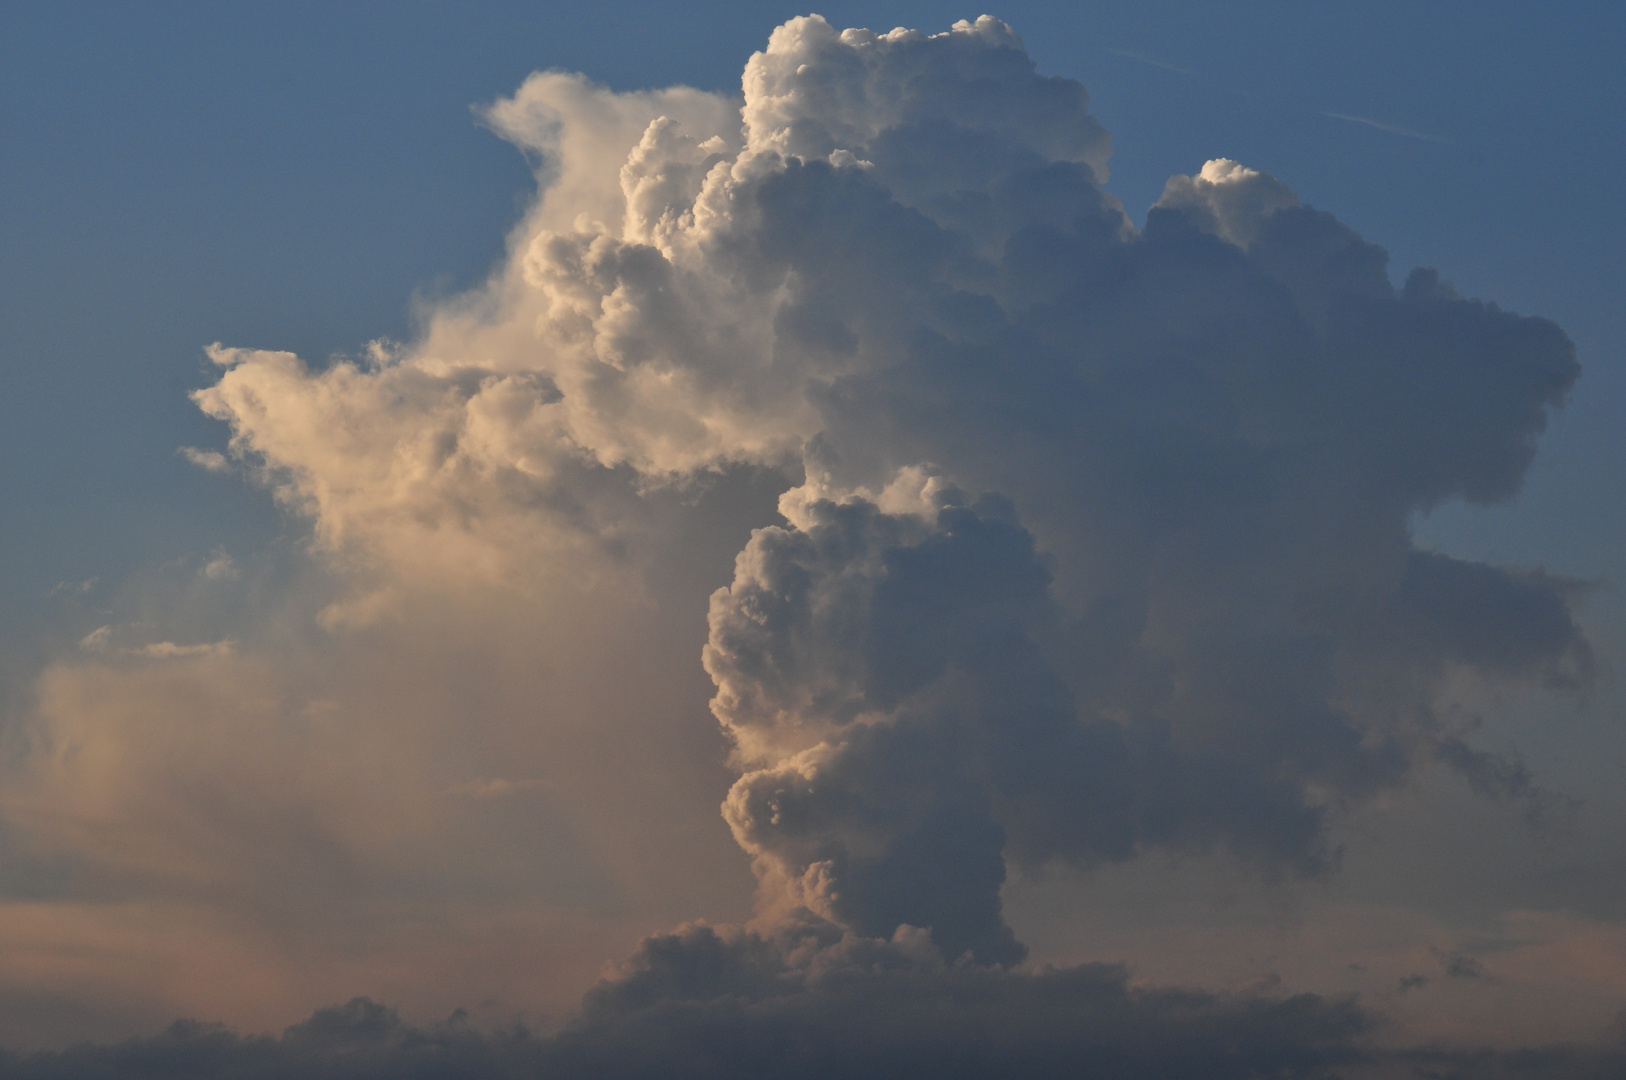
(1096, 537)
(1093, 537)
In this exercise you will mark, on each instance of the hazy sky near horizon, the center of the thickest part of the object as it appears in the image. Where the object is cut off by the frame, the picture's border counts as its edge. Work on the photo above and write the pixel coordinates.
(1073, 563)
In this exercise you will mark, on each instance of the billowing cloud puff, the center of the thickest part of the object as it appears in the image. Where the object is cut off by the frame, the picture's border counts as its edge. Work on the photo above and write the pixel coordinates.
(673, 302)
(891, 684)
(1097, 538)
(1092, 540)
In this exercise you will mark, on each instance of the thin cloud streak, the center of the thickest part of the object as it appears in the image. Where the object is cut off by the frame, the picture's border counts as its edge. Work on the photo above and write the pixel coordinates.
(1152, 61)
(1391, 129)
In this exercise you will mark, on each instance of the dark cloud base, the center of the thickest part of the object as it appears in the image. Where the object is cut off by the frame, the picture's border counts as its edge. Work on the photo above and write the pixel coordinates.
(722, 1004)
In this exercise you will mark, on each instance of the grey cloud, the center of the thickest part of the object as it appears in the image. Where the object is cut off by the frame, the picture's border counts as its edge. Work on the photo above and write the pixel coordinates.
(1513, 621)
(696, 1004)
(854, 1007)
(1458, 965)
(1215, 443)
(721, 1003)
(1214, 431)
(888, 676)
(1186, 611)
(1095, 539)
(1540, 1063)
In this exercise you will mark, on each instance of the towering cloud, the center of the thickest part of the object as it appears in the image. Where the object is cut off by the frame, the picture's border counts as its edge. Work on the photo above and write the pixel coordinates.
(1092, 539)
(1098, 539)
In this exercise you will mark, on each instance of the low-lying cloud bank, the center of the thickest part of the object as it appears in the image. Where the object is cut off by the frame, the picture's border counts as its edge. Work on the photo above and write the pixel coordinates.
(1092, 541)
(703, 1003)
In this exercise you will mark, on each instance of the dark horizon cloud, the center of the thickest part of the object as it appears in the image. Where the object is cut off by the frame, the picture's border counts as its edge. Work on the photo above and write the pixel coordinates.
(724, 1004)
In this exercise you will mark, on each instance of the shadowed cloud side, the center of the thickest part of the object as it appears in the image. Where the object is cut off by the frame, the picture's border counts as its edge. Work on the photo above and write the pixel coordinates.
(721, 1004)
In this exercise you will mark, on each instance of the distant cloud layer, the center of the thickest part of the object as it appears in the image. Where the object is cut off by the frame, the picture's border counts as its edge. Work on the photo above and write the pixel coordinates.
(701, 1004)
(1092, 542)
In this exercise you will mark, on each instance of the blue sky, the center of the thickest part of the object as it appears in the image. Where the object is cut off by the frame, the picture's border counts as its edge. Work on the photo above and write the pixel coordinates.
(310, 178)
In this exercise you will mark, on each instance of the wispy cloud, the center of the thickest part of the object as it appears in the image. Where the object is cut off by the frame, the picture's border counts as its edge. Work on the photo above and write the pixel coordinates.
(1390, 129)
(208, 460)
(1152, 61)
(1376, 125)
(168, 650)
(100, 640)
(219, 567)
(97, 639)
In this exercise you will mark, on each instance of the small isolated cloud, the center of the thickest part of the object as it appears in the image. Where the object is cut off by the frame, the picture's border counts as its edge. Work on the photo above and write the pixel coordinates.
(208, 460)
(168, 650)
(100, 641)
(220, 567)
(97, 639)
(1459, 965)
(73, 588)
